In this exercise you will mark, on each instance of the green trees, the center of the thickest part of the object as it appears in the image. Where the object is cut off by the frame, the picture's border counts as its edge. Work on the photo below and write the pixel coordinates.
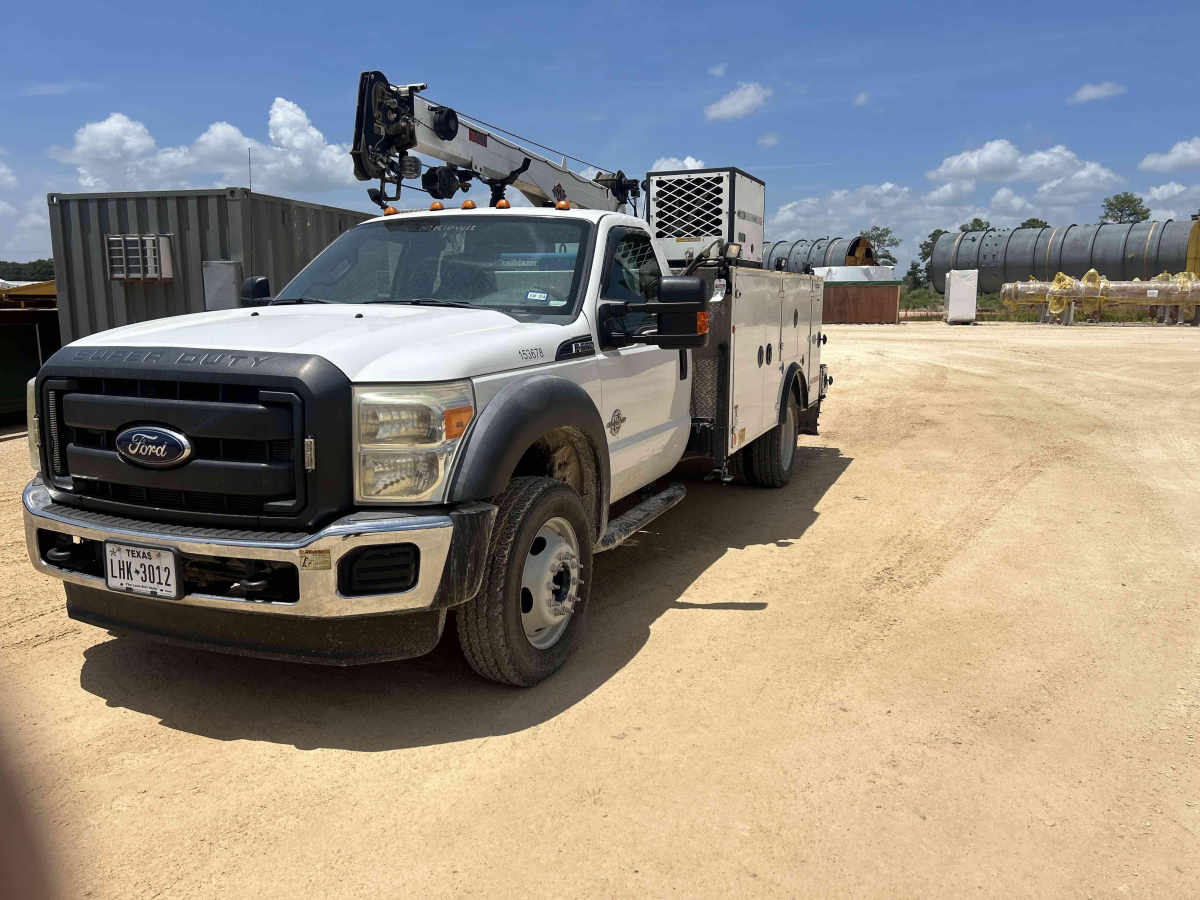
(976, 224)
(1035, 223)
(914, 278)
(882, 240)
(1124, 207)
(37, 270)
(927, 252)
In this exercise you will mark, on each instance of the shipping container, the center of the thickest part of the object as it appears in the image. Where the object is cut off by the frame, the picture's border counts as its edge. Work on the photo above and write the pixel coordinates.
(121, 258)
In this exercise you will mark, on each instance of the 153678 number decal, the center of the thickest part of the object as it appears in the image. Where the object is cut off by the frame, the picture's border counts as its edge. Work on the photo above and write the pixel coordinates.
(532, 353)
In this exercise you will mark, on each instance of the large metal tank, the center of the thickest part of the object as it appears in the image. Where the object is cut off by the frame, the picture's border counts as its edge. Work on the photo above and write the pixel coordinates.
(824, 251)
(1119, 252)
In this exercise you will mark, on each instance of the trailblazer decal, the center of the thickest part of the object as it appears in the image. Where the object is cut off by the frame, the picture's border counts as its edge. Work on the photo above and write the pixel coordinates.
(169, 357)
(615, 423)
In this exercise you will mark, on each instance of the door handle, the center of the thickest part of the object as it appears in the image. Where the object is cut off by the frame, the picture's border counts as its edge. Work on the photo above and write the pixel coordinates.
(824, 338)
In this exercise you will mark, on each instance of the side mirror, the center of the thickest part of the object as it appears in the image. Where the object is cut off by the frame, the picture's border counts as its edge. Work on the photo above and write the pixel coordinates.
(256, 291)
(681, 308)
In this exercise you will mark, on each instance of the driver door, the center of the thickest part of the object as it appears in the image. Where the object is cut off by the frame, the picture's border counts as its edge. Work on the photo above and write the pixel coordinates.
(645, 390)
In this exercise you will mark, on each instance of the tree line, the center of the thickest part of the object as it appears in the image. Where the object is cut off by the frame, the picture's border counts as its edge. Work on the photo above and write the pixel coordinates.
(37, 270)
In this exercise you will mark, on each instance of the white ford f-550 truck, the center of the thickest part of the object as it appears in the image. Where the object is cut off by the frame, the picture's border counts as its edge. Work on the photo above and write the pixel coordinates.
(436, 415)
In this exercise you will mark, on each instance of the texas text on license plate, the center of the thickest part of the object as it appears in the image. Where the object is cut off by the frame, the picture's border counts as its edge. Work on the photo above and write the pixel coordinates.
(152, 571)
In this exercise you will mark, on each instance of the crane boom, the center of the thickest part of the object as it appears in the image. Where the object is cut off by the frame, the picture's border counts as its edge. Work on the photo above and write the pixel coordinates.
(393, 120)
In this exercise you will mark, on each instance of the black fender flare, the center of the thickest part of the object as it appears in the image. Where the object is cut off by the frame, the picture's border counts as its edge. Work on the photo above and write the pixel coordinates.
(792, 377)
(508, 426)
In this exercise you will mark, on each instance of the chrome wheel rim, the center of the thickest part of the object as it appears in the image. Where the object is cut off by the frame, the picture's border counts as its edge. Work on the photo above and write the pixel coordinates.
(787, 439)
(550, 583)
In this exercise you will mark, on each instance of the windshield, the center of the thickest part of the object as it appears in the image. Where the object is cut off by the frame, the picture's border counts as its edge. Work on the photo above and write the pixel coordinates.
(516, 264)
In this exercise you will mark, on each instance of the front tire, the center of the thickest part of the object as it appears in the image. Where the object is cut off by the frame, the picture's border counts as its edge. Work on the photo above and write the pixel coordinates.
(531, 610)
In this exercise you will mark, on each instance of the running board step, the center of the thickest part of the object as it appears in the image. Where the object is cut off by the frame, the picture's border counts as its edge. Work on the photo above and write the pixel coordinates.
(625, 526)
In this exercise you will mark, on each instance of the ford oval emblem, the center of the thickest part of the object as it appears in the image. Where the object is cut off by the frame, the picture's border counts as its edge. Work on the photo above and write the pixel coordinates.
(150, 445)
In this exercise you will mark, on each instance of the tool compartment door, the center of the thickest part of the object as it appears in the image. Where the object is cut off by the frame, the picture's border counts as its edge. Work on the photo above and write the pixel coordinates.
(794, 321)
(813, 368)
(755, 318)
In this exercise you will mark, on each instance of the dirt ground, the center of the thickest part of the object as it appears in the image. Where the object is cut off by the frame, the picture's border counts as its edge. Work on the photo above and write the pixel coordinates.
(958, 656)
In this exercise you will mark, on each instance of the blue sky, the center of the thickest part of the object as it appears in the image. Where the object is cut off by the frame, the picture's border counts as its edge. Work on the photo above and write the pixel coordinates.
(855, 115)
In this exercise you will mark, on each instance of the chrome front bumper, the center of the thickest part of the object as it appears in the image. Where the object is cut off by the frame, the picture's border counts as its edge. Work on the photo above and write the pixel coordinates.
(456, 570)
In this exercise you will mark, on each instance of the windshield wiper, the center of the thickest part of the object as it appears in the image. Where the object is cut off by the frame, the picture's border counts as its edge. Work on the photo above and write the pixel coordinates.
(427, 301)
(282, 300)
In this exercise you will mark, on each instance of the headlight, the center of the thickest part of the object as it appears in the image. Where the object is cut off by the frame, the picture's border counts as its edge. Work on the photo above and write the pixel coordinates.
(406, 438)
(35, 436)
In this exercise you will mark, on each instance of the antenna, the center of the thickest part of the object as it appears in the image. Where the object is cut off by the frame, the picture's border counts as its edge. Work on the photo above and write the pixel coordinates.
(250, 176)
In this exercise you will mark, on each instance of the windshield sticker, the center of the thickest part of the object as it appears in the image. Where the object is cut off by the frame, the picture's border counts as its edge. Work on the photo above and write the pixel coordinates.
(537, 296)
(444, 227)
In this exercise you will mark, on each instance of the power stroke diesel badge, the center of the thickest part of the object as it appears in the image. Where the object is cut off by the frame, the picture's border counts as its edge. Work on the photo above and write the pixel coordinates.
(154, 447)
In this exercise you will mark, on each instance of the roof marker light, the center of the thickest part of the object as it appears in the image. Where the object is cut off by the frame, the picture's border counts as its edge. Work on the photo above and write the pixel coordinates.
(435, 206)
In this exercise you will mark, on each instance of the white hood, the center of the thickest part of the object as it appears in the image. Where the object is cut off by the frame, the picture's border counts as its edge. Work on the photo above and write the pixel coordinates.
(388, 343)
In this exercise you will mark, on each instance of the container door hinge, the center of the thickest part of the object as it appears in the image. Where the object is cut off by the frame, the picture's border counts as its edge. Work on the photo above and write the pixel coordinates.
(310, 454)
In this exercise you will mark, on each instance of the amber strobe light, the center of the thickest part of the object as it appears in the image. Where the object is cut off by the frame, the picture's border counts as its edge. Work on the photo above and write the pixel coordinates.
(503, 204)
(562, 204)
(701, 323)
(435, 206)
(468, 204)
(457, 420)
(390, 211)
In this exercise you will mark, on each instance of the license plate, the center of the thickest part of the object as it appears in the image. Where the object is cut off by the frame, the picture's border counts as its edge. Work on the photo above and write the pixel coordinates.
(150, 571)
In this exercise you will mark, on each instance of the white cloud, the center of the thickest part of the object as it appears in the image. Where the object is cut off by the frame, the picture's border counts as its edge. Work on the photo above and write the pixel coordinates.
(1004, 201)
(8, 180)
(31, 235)
(672, 163)
(862, 98)
(1184, 155)
(1184, 199)
(7, 209)
(741, 101)
(770, 139)
(1165, 191)
(1078, 186)
(951, 193)
(1066, 179)
(1090, 92)
(120, 153)
(718, 70)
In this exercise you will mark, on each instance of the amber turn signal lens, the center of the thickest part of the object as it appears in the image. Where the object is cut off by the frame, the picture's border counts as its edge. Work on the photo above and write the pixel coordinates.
(562, 204)
(390, 211)
(468, 204)
(457, 420)
(503, 204)
(702, 323)
(435, 206)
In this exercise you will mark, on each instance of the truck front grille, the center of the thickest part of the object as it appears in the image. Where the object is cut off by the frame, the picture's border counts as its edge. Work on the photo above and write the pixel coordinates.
(243, 440)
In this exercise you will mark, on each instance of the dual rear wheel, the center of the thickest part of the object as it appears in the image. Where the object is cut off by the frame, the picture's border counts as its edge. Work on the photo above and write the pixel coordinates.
(769, 460)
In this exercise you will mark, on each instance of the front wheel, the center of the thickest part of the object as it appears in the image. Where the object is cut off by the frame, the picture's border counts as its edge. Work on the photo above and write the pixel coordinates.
(530, 612)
